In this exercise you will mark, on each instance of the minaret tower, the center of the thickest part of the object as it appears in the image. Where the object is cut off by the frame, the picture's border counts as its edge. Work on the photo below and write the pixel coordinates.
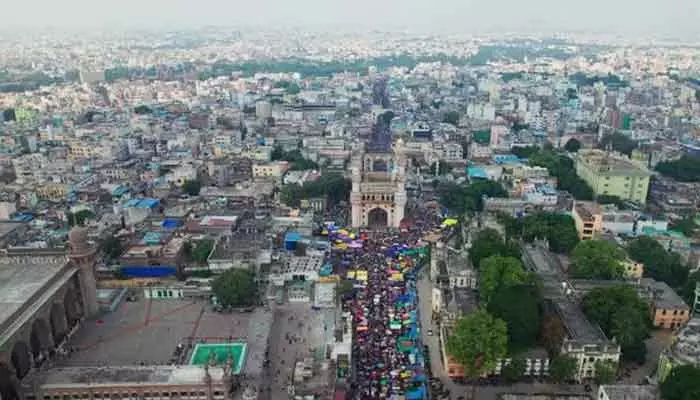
(83, 256)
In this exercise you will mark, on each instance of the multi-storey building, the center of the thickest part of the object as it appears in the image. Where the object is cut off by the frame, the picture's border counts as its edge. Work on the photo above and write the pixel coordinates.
(613, 175)
(588, 219)
(685, 350)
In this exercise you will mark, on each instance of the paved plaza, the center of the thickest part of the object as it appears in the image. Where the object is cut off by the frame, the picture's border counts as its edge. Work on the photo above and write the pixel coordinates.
(149, 331)
(297, 332)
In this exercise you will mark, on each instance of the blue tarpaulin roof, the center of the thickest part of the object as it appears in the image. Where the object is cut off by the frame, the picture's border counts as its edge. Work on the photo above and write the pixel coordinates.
(152, 238)
(292, 237)
(119, 190)
(23, 217)
(506, 159)
(141, 203)
(477, 172)
(171, 223)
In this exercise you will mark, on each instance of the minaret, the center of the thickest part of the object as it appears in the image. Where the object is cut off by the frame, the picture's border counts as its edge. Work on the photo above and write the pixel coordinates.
(356, 194)
(400, 198)
(83, 256)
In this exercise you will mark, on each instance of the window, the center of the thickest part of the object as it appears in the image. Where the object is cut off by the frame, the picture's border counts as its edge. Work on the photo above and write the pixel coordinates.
(663, 312)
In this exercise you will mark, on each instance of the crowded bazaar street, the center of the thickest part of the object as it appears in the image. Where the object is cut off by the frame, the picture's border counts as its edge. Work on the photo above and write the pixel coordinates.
(388, 356)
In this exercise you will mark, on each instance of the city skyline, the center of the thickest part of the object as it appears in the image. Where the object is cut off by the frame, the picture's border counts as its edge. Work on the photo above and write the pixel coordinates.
(626, 17)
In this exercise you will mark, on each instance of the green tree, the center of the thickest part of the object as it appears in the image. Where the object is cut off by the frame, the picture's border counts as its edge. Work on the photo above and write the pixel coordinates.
(296, 160)
(605, 372)
(687, 290)
(619, 142)
(277, 153)
(293, 89)
(572, 146)
(686, 226)
(685, 169)
(333, 187)
(609, 199)
(562, 167)
(477, 190)
(459, 199)
(200, 250)
(683, 383)
(552, 333)
(524, 151)
(452, 197)
(563, 369)
(514, 370)
(497, 273)
(78, 218)
(192, 187)
(489, 242)
(451, 117)
(520, 306)
(597, 259)
(443, 168)
(111, 247)
(291, 195)
(658, 263)
(558, 229)
(235, 288)
(622, 315)
(478, 341)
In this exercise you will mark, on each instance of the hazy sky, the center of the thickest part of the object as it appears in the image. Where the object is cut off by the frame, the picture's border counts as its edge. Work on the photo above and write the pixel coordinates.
(633, 16)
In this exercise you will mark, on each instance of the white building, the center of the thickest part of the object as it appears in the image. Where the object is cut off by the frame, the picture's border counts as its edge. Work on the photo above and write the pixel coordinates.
(182, 174)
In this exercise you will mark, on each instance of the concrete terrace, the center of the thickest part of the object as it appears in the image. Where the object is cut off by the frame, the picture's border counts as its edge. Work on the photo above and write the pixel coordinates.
(149, 331)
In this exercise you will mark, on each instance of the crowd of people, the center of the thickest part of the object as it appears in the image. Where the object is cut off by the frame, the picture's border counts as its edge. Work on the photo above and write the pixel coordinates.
(387, 354)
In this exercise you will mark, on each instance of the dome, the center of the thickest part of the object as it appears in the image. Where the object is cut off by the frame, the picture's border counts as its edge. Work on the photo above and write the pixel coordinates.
(78, 239)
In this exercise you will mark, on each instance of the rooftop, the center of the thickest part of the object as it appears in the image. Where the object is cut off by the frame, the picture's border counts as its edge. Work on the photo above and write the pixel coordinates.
(152, 374)
(24, 277)
(304, 264)
(687, 346)
(549, 270)
(587, 209)
(630, 392)
(611, 163)
(149, 331)
(7, 227)
(664, 296)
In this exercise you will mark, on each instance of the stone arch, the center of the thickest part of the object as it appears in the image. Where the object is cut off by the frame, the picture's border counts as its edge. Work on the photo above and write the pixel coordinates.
(378, 218)
(40, 338)
(21, 359)
(8, 389)
(72, 307)
(58, 320)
